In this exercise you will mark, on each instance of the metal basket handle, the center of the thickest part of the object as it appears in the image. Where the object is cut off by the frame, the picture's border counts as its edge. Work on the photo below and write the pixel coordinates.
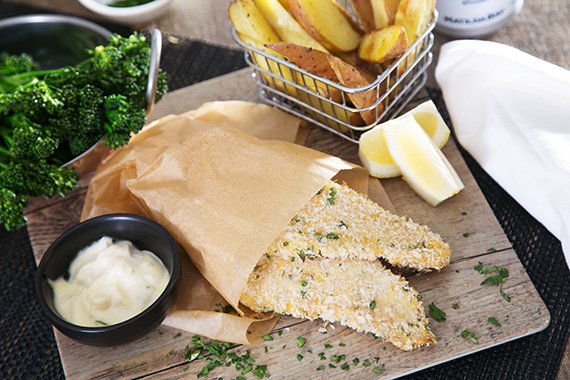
(155, 52)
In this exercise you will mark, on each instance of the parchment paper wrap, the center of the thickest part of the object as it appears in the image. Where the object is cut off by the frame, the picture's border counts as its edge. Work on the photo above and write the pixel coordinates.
(224, 195)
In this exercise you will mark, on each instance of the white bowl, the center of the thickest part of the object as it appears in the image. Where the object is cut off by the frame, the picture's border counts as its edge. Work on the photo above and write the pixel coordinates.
(129, 15)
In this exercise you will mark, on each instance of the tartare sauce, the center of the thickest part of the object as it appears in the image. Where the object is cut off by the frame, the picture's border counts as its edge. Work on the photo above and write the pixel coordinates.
(109, 282)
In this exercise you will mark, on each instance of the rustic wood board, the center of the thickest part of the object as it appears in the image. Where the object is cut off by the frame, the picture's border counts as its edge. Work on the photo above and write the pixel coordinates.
(160, 354)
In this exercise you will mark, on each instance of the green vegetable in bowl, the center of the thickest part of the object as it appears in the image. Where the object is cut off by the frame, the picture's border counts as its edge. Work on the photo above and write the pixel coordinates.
(128, 3)
(49, 117)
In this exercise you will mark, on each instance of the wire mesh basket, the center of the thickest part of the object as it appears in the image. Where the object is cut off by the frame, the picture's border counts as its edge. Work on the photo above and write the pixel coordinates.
(327, 103)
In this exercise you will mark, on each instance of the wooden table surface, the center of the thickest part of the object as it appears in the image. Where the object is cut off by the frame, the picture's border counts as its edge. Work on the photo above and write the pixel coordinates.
(541, 29)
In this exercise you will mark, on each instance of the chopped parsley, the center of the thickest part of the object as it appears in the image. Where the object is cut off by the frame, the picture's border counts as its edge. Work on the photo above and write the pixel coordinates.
(355, 361)
(304, 283)
(299, 357)
(342, 224)
(345, 367)
(266, 349)
(366, 363)
(372, 305)
(494, 275)
(301, 340)
(101, 323)
(436, 313)
(280, 332)
(267, 337)
(469, 335)
(455, 306)
(491, 250)
(322, 356)
(260, 371)
(467, 234)
(177, 335)
(328, 345)
(332, 196)
(332, 236)
(285, 243)
(379, 370)
(301, 254)
(341, 344)
(337, 358)
(494, 321)
(223, 357)
(332, 365)
(321, 368)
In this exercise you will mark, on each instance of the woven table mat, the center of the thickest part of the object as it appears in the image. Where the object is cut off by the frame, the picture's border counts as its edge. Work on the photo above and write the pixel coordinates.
(27, 345)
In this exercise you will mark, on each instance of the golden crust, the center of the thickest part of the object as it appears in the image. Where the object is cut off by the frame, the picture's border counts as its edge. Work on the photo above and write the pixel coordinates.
(361, 295)
(352, 226)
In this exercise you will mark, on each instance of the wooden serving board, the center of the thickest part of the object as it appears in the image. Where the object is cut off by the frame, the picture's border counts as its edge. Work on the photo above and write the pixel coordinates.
(466, 222)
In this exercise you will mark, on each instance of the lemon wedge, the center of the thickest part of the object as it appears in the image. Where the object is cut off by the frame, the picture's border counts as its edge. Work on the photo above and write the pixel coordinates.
(420, 161)
(374, 153)
(428, 117)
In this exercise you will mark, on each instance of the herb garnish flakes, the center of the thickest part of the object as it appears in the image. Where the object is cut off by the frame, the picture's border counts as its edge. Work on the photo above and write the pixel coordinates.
(436, 313)
(332, 196)
(494, 275)
(301, 340)
(379, 370)
(494, 321)
(470, 336)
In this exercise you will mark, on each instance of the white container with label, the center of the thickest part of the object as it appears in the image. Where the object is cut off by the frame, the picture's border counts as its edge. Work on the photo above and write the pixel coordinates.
(474, 18)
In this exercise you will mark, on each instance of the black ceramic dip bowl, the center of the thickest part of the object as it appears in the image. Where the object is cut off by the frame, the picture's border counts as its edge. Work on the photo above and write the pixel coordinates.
(145, 234)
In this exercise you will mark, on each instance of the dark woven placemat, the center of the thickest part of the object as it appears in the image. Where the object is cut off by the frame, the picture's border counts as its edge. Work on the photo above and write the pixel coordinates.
(27, 345)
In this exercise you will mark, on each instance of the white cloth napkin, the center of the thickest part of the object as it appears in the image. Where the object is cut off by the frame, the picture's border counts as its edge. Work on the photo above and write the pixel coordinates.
(511, 111)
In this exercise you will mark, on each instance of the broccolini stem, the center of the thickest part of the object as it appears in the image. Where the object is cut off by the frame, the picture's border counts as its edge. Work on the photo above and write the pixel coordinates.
(4, 157)
(10, 83)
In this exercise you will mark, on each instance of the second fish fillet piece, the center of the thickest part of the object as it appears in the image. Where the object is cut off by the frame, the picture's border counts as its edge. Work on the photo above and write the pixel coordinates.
(358, 294)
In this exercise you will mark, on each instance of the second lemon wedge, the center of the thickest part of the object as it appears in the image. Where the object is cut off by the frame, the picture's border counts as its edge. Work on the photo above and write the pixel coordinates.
(420, 161)
(373, 151)
(428, 117)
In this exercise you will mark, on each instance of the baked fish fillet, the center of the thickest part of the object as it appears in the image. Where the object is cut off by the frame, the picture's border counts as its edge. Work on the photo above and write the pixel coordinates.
(359, 294)
(339, 222)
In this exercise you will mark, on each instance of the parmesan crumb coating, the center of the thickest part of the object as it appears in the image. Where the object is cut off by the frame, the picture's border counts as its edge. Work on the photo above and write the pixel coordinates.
(358, 294)
(339, 222)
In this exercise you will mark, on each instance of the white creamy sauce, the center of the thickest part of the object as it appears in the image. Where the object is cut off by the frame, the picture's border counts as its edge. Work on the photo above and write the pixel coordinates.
(109, 282)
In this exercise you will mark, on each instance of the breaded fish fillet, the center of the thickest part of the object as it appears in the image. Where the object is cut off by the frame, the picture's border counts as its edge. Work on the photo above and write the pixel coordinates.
(339, 222)
(359, 294)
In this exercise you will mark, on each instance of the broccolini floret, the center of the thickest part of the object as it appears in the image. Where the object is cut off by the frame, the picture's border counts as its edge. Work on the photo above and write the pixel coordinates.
(48, 117)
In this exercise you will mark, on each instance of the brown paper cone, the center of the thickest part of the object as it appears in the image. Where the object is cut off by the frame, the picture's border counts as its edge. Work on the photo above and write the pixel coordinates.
(224, 195)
